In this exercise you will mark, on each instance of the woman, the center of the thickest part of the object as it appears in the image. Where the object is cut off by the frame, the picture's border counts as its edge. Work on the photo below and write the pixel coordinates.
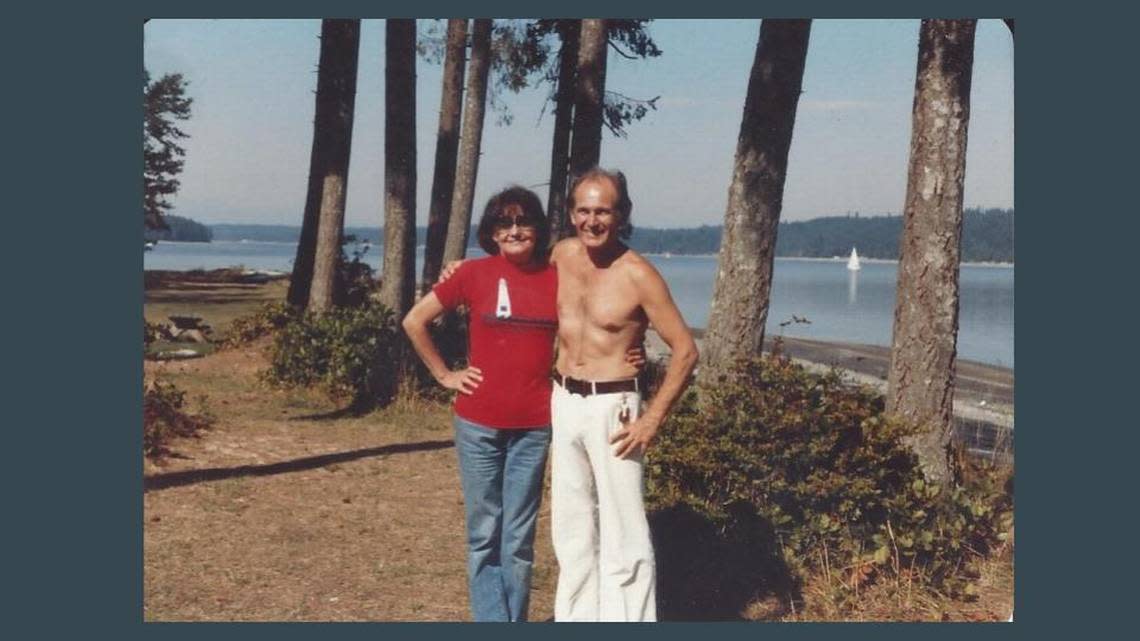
(502, 411)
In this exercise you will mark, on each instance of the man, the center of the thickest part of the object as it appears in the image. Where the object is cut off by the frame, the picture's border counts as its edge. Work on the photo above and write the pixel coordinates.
(607, 296)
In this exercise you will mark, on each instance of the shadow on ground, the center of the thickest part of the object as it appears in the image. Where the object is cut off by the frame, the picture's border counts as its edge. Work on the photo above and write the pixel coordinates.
(706, 574)
(189, 477)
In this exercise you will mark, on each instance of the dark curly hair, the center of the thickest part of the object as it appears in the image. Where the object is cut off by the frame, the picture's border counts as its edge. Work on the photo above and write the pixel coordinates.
(623, 205)
(514, 201)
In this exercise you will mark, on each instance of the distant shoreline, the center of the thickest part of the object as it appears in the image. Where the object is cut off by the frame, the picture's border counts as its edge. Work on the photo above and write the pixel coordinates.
(820, 259)
(831, 259)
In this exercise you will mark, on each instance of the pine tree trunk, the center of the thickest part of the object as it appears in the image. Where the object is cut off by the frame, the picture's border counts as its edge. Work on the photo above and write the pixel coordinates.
(336, 96)
(590, 89)
(920, 380)
(475, 102)
(337, 37)
(397, 285)
(446, 149)
(569, 32)
(744, 276)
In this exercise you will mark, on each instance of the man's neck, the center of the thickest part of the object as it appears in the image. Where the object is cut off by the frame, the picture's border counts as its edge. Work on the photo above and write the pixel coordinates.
(604, 256)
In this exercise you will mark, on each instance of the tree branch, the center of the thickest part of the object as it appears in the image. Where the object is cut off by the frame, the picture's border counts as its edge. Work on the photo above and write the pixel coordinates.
(619, 51)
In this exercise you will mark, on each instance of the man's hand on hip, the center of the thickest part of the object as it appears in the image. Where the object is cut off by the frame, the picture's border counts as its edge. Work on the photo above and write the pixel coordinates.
(634, 439)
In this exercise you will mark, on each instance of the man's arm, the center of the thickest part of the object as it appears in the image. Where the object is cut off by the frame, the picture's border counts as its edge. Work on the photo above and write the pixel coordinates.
(449, 269)
(662, 312)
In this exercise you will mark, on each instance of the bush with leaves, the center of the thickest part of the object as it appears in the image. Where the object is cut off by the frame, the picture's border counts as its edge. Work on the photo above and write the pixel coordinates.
(348, 351)
(355, 278)
(271, 317)
(165, 417)
(812, 466)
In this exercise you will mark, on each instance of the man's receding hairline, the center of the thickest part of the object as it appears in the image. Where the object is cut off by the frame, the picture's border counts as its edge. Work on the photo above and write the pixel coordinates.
(600, 178)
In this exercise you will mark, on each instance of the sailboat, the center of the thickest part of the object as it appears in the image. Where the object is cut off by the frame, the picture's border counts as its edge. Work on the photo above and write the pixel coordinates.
(853, 261)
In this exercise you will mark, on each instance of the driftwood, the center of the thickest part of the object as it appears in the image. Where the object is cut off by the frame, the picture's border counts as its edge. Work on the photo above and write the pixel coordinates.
(189, 329)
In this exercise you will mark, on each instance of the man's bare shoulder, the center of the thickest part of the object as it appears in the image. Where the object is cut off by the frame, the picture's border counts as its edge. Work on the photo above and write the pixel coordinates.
(566, 248)
(638, 267)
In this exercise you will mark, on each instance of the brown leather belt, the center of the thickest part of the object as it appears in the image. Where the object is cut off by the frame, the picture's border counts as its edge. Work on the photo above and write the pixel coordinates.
(587, 388)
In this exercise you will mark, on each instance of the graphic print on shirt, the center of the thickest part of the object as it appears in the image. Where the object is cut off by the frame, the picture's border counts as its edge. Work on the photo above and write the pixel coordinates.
(503, 317)
(503, 309)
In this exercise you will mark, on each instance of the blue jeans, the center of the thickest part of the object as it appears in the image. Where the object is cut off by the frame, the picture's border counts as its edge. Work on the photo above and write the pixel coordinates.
(501, 472)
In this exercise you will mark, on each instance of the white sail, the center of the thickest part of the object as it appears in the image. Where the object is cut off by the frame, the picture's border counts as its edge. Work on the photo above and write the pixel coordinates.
(853, 261)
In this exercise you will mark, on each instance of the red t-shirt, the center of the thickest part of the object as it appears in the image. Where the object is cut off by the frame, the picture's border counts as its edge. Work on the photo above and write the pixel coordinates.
(513, 317)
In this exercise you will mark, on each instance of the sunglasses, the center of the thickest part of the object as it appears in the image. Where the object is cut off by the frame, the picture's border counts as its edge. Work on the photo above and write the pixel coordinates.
(522, 220)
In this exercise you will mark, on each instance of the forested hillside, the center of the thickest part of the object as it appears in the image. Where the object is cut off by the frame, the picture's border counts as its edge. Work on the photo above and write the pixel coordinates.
(987, 236)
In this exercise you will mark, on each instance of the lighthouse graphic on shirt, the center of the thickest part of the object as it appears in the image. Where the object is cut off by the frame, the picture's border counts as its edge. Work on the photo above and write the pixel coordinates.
(505, 317)
(503, 308)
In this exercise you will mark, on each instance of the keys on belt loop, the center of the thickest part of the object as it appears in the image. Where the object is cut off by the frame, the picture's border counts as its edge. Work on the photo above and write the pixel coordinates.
(623, 415)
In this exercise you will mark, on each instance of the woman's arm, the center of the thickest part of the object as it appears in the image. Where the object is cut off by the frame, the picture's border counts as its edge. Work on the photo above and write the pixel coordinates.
(416, 327)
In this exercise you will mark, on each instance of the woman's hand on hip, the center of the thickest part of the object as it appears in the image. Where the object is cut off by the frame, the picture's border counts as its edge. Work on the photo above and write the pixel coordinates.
(464, 380)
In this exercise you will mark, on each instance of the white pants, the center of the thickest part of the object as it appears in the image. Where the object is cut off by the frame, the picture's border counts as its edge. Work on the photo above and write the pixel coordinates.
(600, 533)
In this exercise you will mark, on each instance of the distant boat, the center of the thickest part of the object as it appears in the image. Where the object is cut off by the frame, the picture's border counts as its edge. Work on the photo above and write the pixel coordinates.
(853, 261)
(149, 245)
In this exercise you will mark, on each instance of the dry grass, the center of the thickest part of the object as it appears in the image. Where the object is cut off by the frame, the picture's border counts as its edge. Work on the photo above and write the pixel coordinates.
(896, 600)
(281, 514)
(218, 303)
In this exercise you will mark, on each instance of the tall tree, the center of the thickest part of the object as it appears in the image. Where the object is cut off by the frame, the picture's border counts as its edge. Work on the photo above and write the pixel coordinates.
(447, 146)
(397, 286)
(589, 96)
(474, 108)
(920, 381)
(521, 49)
(569, 32)
(164, 102)
(336, 98)
(755, 197)
(340, 40)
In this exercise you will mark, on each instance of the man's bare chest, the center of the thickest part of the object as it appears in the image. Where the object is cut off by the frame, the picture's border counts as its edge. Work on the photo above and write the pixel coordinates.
(596, 299)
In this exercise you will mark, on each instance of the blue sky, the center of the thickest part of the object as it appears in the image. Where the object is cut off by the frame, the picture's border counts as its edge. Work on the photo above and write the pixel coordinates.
(253, 81)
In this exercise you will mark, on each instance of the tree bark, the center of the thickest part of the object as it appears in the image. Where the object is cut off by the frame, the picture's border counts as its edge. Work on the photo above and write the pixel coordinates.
(475, 102)
(340, 43)
(755, 197)
(589, 96)
(446, 149)
(569, 33)
(920, 380)
(336, 97)
(397, 286)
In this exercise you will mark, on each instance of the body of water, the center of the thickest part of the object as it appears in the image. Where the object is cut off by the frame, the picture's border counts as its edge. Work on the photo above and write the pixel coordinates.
(838, 304)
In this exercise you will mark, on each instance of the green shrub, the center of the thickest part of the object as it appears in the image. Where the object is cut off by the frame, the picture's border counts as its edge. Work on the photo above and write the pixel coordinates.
(355, 279)
(351, 352)
(272, 316)
(814, 473)
(165, 417)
